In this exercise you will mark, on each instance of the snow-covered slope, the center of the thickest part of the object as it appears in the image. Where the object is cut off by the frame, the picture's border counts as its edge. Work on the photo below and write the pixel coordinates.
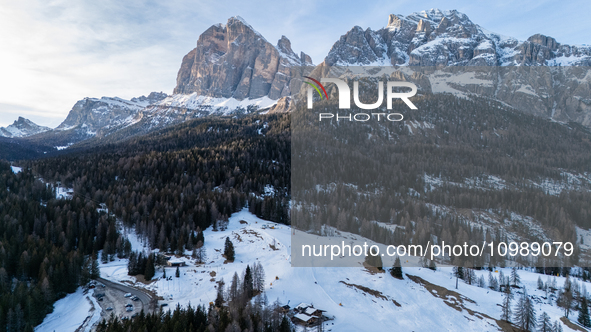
(183, 107)
(358, 300)
(92, 116)
(78, 311)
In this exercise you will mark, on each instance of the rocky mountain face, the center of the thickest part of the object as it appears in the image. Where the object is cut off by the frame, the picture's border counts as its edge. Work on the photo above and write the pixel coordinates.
(22, 128)
(445, 52)
(235, 61)
(93, 116)
(448, 38)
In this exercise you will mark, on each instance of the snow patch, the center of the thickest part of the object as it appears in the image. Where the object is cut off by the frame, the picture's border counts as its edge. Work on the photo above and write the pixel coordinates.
(71, 312)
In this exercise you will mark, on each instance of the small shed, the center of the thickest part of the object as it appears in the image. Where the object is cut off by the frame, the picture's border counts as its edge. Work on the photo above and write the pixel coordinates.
(175, 263)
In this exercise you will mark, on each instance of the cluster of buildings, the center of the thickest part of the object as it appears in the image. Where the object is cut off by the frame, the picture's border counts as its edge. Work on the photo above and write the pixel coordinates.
(305, 314)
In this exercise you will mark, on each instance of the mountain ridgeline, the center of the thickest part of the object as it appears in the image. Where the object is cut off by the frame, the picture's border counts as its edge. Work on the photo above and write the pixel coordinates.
(234, 70)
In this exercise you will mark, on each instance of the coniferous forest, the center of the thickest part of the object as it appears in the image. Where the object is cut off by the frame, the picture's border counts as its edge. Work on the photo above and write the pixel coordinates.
(174, 183)
(439, 172)
(46, 247)
(167, 184)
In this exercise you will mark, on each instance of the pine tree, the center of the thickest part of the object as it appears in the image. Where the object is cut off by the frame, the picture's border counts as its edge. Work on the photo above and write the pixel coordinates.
(481, 282)
(104, 257)
(85, 273)
(557, 326)
(540, 283)
(178, 272)
(132, 264)
(458, 272)
(531, 322)
(469, 276)
(200, 239)
(515, 279)
(432, 265)
(584, 314)
(506, 306)
(492, 282)
(219, 300)
(150, 268)
(545, 323)
(396, 271)
(95, 272)
(285, 325)
(247, 283)
(229, 250)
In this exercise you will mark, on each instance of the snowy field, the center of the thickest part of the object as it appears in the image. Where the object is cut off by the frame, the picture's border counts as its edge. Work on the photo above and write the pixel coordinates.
(71, 312)
(357, 299)
(406, 304)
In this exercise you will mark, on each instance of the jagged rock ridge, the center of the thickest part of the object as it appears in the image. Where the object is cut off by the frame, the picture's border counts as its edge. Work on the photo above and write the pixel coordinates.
(22, 128)
(448, 38)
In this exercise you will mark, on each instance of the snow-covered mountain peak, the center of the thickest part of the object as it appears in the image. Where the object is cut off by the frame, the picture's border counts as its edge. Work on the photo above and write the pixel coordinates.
(22, 128)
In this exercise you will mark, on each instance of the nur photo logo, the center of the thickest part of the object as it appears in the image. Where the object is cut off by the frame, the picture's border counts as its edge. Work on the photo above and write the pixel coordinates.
(344, 98)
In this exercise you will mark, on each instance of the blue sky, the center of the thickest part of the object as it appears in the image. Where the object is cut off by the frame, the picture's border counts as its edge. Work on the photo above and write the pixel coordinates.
(55, 52)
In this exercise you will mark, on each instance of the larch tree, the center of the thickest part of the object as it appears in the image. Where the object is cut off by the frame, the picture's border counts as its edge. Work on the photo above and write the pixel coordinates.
(515, 279)
(545, 323)
(506, 311)
(525, 313)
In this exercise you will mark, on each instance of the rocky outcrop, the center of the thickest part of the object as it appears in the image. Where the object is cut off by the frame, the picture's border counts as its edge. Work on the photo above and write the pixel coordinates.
(358, 47)
(306, 59)
(281, 106)
(235, 61)
(151, 99)
(22, 128)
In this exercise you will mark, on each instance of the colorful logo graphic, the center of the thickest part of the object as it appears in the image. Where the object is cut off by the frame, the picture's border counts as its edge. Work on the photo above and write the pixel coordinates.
(315, 87)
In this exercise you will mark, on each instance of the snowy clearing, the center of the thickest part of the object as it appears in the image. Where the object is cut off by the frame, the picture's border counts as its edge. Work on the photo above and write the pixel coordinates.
(71, 312)
(16, 170)
(408, 304)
